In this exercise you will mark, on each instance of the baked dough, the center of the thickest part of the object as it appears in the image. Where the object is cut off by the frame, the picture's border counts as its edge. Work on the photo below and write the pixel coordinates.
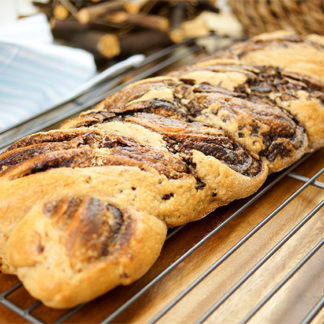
(88, 205)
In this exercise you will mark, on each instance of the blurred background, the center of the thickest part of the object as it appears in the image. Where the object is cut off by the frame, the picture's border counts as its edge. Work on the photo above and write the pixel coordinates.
(114, 29)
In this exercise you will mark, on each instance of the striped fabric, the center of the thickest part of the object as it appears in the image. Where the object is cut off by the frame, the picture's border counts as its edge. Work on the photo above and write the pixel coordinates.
(35, 73)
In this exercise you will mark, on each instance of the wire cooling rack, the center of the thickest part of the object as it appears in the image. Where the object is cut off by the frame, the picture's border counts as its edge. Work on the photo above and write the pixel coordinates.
(123, 311)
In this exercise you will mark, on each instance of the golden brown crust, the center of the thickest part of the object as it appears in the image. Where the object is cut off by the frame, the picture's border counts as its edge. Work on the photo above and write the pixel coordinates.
(297, 54)
(299, 96)
(96, 196)
(82, 244)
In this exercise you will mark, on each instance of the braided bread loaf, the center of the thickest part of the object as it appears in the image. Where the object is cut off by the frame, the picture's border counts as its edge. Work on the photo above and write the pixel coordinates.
(86, 207)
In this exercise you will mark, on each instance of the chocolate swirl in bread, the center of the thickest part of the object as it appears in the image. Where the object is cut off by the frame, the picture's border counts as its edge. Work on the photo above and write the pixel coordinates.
(88, 205)
(80, 238)
(296, 76)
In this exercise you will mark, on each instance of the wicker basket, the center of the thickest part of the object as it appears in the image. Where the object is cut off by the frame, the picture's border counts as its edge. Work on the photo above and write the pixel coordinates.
(302, 16)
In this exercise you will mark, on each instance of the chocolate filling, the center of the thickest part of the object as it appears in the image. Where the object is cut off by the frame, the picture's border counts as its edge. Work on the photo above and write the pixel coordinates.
(183, 138)
(109, 150)
(168, 196)
(92, 228)
(50, 137)
(270, 81)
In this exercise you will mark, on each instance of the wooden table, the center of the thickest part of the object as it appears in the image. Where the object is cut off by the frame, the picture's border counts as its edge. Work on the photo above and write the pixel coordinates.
(289, 305)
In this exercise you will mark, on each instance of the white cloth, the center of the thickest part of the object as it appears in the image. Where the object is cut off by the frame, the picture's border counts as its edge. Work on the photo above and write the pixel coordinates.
(35, 73)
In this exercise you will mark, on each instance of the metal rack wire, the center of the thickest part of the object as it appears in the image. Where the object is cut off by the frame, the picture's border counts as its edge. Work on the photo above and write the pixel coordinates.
(96, 93)
(306, 182)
